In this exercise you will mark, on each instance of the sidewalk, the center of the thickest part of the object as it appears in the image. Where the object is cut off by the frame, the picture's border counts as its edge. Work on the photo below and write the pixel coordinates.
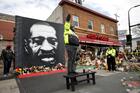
(106, 82)
(10, 75)
(9, 86)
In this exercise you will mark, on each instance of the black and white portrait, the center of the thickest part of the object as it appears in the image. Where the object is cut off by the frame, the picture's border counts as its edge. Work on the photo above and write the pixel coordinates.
(42, 42)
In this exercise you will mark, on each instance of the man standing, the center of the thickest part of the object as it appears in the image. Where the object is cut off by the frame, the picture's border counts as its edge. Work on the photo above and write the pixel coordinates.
(71, 49)
(111, 53)
(42, 44)
(7, 56)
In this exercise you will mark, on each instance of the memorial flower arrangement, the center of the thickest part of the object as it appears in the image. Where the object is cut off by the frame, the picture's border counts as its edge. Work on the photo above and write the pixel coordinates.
(35, 69)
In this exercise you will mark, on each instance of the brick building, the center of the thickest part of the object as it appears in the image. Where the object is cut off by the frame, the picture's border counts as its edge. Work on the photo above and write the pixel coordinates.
(7, 24)
(93, 28)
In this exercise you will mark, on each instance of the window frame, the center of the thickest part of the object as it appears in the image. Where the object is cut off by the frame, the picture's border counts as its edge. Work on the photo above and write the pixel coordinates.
(102, 28)
(112, 31)
(77, 20)
(90, 22)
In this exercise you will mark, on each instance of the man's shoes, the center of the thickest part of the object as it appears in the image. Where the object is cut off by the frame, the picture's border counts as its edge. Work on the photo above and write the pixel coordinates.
(5, 75)
(113, 70)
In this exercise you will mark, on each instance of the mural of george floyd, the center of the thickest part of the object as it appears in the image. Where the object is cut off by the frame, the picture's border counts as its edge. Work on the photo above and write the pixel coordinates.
(38, 43)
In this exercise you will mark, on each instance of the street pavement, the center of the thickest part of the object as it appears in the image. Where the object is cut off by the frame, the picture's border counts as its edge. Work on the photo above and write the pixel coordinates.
(106, 82)
(9, 86)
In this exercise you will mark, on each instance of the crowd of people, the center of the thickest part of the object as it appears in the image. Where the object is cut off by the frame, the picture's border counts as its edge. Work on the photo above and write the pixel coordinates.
(121, 62)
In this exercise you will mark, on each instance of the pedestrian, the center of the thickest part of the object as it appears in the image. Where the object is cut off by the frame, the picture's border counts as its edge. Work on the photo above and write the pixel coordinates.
(110, 54)
(70, 46)
(7, 56)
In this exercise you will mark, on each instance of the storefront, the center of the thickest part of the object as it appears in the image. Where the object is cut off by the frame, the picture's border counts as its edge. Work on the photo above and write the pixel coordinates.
(97, 43)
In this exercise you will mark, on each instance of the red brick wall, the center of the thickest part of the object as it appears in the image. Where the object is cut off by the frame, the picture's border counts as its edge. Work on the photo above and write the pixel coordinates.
(6, 29)
(84, 16)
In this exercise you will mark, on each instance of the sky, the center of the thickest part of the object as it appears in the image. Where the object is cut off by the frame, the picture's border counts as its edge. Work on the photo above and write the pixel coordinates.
(42, 9)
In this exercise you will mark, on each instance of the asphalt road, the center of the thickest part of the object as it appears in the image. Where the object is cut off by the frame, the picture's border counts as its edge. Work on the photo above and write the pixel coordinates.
(106, 82)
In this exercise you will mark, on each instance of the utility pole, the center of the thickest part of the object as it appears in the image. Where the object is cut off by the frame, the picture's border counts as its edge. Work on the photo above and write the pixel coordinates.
(116, 15)
(130, 25)
(79, 1)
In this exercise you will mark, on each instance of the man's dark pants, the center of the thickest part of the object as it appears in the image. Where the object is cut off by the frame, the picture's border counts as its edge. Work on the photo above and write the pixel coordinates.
(111, 63)
(71, 50)
(7, 65)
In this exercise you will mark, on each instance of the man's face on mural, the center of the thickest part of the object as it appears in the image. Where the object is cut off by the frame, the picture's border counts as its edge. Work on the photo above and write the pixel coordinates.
(43, 42)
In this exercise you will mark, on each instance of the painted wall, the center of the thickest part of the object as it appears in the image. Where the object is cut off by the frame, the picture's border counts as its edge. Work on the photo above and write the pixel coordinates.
(29, 43)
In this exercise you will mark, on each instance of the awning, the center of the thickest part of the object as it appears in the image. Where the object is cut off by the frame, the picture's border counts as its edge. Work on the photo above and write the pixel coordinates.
(84, 39)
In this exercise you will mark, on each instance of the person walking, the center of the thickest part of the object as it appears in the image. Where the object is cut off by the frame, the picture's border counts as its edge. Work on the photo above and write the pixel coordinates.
(111, 53)
(71, 48)
(7, 56)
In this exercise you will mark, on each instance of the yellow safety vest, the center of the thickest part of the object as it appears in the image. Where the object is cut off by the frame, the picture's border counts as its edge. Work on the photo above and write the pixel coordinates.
(66, 32)
(111, 52)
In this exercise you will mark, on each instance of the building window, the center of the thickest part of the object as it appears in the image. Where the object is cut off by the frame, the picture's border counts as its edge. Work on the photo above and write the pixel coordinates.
(112, 30)
(75, 21)
(102, 28)
(90, 25)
